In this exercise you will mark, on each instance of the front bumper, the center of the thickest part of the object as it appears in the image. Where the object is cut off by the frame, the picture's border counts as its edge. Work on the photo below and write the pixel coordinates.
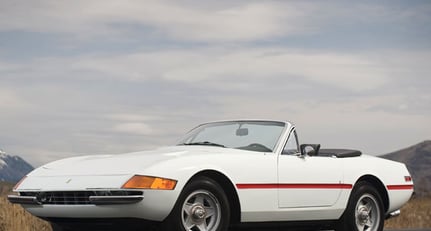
(96, 200)
(155, 207)
(28, 200)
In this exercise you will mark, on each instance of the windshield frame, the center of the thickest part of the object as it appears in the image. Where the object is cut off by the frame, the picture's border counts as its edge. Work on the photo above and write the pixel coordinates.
(196, 130)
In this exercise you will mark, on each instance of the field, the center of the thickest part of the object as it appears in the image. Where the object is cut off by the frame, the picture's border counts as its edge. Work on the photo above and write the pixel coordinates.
(15, 218)
(416, 214)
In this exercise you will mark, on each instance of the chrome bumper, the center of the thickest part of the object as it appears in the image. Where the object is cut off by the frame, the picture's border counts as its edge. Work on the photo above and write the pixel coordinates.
(15, 199)
(96, 200)
(393, 214)
(109, 200)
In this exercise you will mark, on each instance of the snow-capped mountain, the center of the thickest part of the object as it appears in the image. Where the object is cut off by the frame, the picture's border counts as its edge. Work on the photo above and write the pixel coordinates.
(13, 168)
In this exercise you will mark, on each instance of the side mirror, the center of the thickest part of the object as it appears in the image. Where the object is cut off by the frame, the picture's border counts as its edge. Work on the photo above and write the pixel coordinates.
(310, 149)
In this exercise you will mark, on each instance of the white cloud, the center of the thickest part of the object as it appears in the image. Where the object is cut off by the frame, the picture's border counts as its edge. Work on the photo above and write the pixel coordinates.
(353, 72)
(9, 99)
(224, 22)
(348, 71)
(133, 128)
(246, 22)
(130, 117)
(220, 21)
(212, 67)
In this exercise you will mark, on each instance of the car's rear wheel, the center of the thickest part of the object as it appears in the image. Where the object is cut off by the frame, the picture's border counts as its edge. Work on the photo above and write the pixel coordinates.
(202, 206)
(364, 211)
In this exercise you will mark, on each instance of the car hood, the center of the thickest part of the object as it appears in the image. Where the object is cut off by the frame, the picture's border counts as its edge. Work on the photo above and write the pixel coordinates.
(120, 164)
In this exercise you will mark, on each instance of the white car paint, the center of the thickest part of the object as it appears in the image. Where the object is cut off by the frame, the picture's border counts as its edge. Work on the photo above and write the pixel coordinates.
(270, 186)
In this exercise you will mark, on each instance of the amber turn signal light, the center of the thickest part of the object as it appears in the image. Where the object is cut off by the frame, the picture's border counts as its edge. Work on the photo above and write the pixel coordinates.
(149, 182)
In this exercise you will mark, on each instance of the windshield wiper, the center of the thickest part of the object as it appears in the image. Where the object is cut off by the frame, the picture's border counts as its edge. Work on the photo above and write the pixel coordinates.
(204, 143)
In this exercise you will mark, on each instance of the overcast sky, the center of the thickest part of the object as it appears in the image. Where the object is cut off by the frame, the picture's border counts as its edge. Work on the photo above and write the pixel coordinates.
(90, 77)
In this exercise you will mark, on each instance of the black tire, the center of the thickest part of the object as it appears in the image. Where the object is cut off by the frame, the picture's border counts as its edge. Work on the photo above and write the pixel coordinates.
(56, 227)
(65, 227)
(201, 206)
(364, 210)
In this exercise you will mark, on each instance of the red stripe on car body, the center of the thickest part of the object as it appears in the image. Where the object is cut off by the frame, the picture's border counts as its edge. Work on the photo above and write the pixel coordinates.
(294, 186)
(400, 187)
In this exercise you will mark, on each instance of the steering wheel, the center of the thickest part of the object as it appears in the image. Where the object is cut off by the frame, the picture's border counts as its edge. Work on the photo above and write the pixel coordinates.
(258, 147)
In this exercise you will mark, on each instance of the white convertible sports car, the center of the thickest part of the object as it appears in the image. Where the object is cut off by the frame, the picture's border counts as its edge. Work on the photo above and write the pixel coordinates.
(220, 175)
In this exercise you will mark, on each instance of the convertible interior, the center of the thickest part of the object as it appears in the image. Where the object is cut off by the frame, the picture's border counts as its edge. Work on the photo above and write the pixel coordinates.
(339, 153)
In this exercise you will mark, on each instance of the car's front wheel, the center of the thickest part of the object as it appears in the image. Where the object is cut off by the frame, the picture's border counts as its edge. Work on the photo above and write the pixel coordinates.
(364, 211)
(202, 206)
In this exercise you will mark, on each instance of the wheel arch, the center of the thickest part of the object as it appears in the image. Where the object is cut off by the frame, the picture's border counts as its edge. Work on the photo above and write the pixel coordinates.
(379, 186)
(228, 187)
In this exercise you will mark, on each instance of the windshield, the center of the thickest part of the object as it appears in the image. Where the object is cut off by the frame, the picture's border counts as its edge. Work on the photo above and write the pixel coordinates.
(261, 136)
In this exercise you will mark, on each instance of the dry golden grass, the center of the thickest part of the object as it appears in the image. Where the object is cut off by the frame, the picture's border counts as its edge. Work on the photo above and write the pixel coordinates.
(415, 214)
(15, 218)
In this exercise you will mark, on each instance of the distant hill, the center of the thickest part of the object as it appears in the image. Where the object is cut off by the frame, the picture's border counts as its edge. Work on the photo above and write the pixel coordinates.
(13, 168)
(418, 160)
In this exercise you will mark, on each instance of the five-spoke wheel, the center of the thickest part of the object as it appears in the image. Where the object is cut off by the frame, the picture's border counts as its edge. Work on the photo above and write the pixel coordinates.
(367, 213)
(202, 206)
(364, 211)
(201, 211)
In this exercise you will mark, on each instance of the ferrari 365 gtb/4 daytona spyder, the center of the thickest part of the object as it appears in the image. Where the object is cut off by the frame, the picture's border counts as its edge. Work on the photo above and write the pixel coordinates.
(220, 175)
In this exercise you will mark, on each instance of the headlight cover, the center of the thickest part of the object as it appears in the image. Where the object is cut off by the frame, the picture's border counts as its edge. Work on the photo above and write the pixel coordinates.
(19, 182)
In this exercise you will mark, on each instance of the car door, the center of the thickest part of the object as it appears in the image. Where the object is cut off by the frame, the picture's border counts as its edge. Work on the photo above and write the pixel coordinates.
(307, 181)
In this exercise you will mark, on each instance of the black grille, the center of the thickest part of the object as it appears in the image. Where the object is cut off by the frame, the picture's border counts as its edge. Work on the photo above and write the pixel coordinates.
(75, 197)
